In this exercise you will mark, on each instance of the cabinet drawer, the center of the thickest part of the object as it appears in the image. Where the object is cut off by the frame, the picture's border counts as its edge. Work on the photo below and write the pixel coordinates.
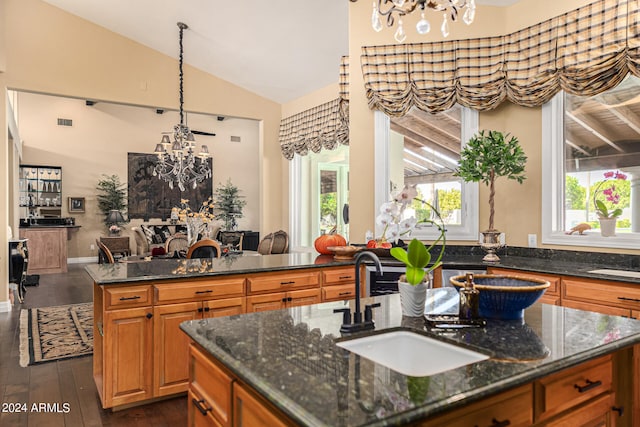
(596, 413)
(512, 408)
(573, 386)
(554, 281)
(610, 293)
(199, 411)
(127, 296)
(282, 281)
(202, 289)
(338, 292)
(212, 385)
(338, 276)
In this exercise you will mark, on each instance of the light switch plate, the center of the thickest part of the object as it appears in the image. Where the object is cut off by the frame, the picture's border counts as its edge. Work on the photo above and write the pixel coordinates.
(532, 239)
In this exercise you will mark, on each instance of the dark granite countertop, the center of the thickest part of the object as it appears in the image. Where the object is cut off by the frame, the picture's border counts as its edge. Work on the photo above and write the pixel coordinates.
(136, 269)
(290, 357)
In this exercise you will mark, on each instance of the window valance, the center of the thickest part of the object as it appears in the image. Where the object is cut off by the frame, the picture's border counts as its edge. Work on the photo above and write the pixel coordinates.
(585, 52)
(324, 126)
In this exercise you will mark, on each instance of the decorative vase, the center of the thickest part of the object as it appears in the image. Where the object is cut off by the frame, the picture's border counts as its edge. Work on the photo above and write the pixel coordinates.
(194, 228)
(490, 243)
(608, 227)
(413, 298)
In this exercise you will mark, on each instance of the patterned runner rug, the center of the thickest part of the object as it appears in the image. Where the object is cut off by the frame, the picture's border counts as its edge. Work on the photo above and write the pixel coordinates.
(54, 333)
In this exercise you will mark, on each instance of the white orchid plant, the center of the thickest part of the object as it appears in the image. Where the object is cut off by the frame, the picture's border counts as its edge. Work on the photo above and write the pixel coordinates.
(390, 216)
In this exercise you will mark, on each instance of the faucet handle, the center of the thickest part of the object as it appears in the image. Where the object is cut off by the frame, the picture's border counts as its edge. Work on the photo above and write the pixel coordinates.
(346, 315)
(368, 311)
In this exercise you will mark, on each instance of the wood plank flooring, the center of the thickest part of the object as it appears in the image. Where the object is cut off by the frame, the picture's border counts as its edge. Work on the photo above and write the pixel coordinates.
(67, 381)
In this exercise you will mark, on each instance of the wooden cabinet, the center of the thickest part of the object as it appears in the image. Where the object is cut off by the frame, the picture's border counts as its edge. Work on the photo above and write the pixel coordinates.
(550, 296)
(584, 395)
(217, 399)
(47, 249)
(127, 348)
(200, 299)
(512, 408)
(252, 411)
(609, 297)
(340, 284)
(280, 300)
(117, 245)
(572, 387)
(137, 326)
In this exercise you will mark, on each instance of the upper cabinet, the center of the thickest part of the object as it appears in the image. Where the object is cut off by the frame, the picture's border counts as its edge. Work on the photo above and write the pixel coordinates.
(40, 191)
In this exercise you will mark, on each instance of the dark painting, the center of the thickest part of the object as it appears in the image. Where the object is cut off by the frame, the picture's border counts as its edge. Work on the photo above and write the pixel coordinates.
(150, 197)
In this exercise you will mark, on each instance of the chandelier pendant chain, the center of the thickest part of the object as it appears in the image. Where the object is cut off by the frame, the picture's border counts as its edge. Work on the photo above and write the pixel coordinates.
(177, 160)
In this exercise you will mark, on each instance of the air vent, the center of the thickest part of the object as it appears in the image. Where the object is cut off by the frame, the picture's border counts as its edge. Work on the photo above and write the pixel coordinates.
(235, 138)
(65, 122)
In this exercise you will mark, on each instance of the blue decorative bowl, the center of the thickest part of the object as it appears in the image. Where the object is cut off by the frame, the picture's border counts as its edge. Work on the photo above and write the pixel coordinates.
(504, 296)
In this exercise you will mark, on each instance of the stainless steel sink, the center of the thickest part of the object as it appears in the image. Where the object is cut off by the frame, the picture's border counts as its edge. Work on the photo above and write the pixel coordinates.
(410, 353)
(620, 273)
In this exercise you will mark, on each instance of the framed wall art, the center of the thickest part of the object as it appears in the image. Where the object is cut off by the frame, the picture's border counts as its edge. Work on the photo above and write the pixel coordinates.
(76, 204)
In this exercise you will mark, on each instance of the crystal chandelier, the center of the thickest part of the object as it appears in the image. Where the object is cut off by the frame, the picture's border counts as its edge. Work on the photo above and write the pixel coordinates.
(177, 160)
(449, 8)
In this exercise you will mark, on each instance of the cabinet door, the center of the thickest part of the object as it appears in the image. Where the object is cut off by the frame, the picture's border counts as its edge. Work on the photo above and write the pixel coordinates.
(597, 414)
(128, 356)
(304, 297)
(171, 347)
(223, 307)
(47, 250)
(273, 301)
(212, 385)
(251, 411)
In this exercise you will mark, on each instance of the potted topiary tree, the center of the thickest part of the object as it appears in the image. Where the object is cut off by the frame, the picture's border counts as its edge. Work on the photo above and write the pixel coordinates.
(228, 205)
(487, 156)
(112, 196)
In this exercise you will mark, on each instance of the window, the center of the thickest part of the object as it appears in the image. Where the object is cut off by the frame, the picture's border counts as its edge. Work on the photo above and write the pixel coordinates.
(423, 149)
(318, 188)
(588, 142)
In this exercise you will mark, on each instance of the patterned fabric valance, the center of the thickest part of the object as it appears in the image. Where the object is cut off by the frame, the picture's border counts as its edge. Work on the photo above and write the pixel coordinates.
(324, 126)
(584, 52)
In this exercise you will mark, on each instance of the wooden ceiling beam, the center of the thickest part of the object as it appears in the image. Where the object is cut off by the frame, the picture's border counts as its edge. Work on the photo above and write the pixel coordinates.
(591, 127)
(426, 141)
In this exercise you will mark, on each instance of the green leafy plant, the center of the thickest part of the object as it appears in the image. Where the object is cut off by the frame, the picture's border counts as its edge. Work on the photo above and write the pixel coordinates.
(112, 195)
(489, 155)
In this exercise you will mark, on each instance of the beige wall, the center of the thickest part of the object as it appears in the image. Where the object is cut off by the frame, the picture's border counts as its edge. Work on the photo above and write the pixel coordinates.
(518, 207)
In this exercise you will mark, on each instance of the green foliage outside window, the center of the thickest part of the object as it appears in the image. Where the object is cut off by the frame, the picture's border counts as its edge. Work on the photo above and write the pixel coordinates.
(575, 194)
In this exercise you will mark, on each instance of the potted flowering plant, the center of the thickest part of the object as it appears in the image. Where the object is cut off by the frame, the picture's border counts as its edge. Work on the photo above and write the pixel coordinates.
(608, 215)
(391, 221)
(414, 283)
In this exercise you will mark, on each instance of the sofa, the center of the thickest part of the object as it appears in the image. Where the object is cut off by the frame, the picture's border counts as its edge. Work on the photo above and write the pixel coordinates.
(151, 236)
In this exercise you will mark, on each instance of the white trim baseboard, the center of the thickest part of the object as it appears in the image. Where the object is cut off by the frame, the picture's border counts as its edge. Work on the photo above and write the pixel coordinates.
(83, 260)
(5, 306)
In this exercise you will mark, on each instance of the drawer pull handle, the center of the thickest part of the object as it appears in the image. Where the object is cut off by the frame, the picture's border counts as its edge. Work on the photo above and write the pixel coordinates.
(629, 299)
(200, 405)
(589, 386)
(130, 298)
(344, 277)
(290, 282)
(496, 423)
(208, 291)
(618, 409)
(344, 293)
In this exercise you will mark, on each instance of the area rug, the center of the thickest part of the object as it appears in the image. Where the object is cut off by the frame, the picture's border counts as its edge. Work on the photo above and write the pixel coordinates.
(54, 333)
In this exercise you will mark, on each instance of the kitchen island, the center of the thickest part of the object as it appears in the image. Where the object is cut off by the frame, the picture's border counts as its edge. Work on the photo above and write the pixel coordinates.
(558, 364)
(139, 351)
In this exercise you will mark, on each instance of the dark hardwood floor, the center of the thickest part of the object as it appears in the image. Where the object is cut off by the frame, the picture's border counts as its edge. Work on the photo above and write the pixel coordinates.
(67, 381)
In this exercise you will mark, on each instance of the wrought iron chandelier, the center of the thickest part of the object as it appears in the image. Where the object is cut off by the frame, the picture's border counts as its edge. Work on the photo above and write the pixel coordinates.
(392, 9)
(177, 161)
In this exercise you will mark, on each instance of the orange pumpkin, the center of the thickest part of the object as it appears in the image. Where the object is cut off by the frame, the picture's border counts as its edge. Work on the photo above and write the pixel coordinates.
(326, 240)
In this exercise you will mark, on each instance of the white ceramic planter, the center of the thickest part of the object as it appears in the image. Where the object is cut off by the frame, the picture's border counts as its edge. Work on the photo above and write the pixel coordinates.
(608, 227)
(413, 298)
